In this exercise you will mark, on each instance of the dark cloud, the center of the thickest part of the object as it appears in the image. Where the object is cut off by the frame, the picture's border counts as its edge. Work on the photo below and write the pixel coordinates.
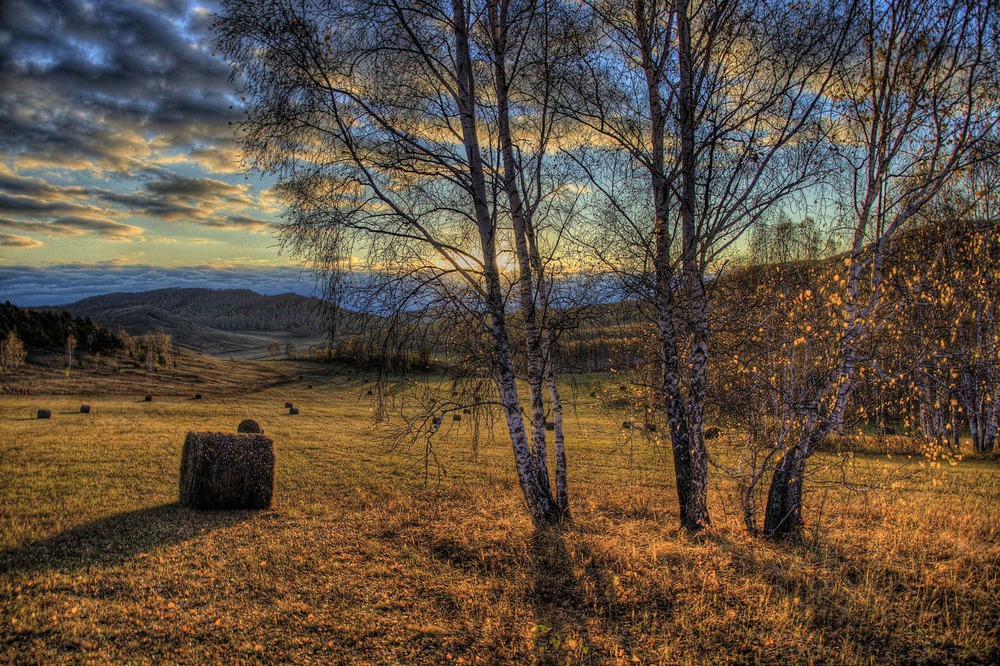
(91, 80)
(74, 226)
(107, 108)
(56, 285)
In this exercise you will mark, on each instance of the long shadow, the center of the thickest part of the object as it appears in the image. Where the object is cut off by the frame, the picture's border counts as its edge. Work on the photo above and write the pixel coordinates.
(833, 609)
(115, 539)
(569, 590)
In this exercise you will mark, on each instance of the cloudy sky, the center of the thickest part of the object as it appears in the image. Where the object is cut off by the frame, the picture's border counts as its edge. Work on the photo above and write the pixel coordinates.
(118, 170)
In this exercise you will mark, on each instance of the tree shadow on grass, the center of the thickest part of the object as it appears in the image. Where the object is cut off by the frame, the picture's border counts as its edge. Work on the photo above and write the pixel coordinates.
(826, 590)
(573, 590)
(114, 539)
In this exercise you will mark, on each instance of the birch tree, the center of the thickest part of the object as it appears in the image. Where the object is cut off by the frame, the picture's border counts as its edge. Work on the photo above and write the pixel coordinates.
(392, 127)
(914, 101)
(717, 105)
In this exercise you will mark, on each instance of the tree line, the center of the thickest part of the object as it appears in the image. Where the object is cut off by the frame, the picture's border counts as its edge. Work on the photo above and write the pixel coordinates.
(49, 331)
(467, 157)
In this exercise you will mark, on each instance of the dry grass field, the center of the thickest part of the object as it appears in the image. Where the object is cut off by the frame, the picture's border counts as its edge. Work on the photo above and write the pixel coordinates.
(360, 561)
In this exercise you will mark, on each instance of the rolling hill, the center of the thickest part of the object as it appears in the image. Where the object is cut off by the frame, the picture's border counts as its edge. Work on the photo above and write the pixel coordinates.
(230, 322)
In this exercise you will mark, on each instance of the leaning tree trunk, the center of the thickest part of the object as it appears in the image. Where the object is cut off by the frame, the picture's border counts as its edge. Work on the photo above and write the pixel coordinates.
(783, 516)
(526, 281)
(533, 481)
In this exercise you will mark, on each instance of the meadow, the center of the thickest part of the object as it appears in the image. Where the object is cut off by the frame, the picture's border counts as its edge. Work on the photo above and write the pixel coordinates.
(363, 560)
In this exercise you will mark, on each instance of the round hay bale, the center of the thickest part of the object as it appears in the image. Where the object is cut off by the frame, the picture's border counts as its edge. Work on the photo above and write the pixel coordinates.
(466, 411)
(712, 433)
(197, 396)
(369, 391)
(626, 425)
(149, 398)
(310, 386)
(43, 414)
(225, 471)
(293, 410)
(456, 417)
(650, 427)
(288, 405)
(549, 425)
(84, 409)
(250, 426)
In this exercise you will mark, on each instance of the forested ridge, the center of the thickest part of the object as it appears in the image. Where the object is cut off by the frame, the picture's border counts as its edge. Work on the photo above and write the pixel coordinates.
(49, 330)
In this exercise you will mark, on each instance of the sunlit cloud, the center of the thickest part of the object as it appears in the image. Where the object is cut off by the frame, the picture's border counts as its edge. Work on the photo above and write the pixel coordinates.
(15, 241)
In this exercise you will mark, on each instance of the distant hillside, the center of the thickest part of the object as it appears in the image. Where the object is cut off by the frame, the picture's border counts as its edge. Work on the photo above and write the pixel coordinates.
(230, 321)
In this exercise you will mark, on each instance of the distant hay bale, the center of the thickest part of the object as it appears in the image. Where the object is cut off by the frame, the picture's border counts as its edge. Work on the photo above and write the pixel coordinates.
(197, 396)
(293, 410)
(369, 391)
(225, 471)
(593, 394)
(288, 405)
(149, 398)
(456, 417)
(310, 386)
(550, 425)
(626, 425)
(44, 414)
(712, 433)
(650, 427)
(249, 426)
(466, 411)
(84, 409)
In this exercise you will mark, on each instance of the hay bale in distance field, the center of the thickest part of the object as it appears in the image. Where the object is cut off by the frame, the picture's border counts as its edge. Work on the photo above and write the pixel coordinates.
(84, 409)
(550, 425)
(43, 414)
(626, 425)
(149, 398)
(293, 410)
(224, 471)
(249, 426)
(288, 405)
(197, 396)
(712, 433)
(456, 417)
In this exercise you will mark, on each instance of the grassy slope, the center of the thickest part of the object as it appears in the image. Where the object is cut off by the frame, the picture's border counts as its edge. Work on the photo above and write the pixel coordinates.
(359, 562)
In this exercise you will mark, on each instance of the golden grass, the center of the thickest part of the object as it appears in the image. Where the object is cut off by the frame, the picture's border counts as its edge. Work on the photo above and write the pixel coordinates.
(359, 562)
